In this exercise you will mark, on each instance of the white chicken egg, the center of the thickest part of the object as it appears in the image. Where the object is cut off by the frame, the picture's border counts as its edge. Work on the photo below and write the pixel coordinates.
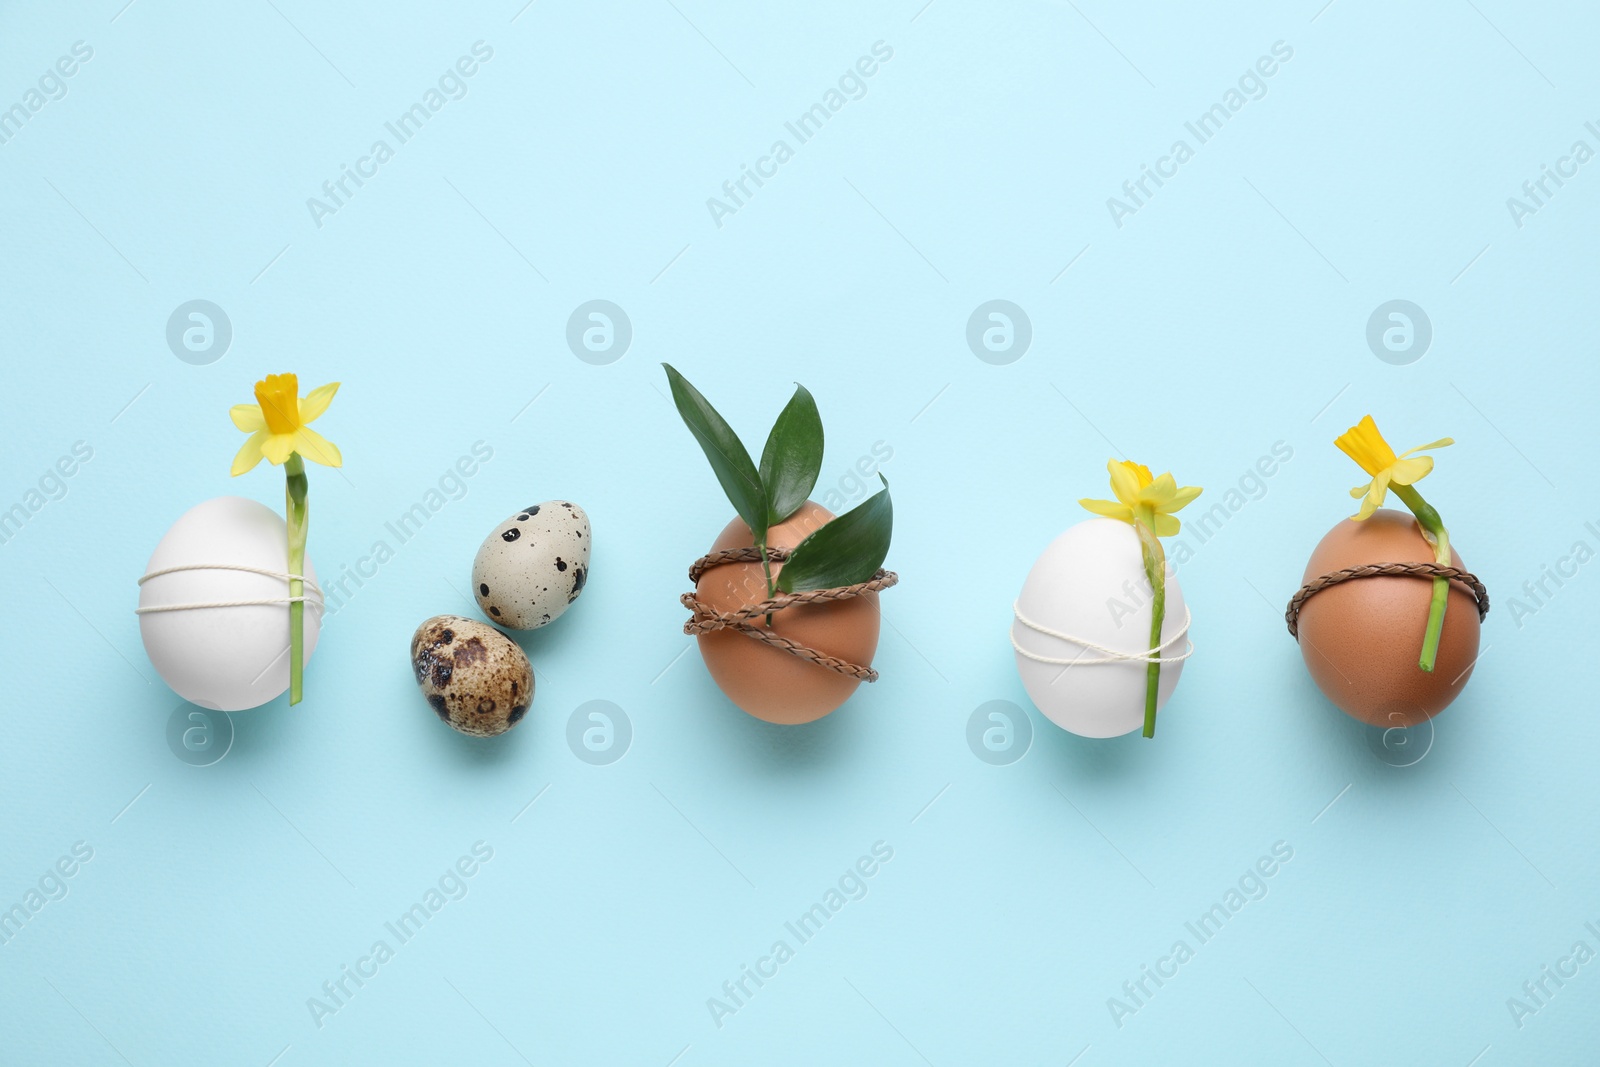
(226, 658)
(1090, 585)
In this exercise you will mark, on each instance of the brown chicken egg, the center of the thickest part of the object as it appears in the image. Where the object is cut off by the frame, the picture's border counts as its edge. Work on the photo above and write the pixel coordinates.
(767, 682)
(1361, 638)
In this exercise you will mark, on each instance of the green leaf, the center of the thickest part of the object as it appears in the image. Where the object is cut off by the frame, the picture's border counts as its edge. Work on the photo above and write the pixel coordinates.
(848, 550)
(727, 454)
(793, 456)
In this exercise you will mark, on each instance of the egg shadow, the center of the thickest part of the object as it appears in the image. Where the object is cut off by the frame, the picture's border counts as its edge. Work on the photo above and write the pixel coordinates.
(557, 641)
(794, 749)
(468, 751)
(1084, 758)
(259, 733)
(1405, 760)
(255, 739)
(552, 643)
(774, 748)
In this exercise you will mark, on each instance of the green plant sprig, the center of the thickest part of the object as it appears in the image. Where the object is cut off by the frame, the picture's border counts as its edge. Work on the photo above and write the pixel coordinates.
(847, 550)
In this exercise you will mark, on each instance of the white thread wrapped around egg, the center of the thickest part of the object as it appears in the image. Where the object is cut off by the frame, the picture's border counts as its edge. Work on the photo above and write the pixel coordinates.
(1088, 602)
(214, 607)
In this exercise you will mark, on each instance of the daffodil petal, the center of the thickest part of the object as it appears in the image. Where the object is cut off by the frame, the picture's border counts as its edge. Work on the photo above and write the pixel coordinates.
(314, 403)
(1183, 497)
(1376, 493)
(276, 448)
(249, 453)
(1440, 443)
(248, 417)
(1124, 483)
(1410, 471)
(317, 448)
(1108, 508)
(1166, 525)
(1160, 490)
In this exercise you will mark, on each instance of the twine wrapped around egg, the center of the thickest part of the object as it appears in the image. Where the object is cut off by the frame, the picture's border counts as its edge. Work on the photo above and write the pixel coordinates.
(313, 591)
(1106, 653)
(1429, 571)
(706, 619)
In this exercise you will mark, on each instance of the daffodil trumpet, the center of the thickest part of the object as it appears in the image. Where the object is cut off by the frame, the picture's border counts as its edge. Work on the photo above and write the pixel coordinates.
(1366, 445)
(278, 433)
(1148, 504)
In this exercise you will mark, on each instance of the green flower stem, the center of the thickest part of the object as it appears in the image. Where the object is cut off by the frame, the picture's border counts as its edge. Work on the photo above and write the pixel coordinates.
(1434, 532)
(766, 569)
(1155, 569)
(295, 497)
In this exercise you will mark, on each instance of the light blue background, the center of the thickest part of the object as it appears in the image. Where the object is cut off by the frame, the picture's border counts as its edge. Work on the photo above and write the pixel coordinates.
(1227, 315)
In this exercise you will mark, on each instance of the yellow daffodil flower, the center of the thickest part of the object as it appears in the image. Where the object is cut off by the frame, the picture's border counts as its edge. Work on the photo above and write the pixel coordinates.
(278, 432)
(1147, 504)
(1364, 444)
(1141, 496)
(277, 424)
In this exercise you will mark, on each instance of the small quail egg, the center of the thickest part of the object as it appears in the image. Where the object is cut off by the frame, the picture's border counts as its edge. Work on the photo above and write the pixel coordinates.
(475, 678)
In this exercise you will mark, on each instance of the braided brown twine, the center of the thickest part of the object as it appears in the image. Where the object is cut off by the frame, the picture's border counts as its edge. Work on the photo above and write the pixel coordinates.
(707, 620)
(1429, 571)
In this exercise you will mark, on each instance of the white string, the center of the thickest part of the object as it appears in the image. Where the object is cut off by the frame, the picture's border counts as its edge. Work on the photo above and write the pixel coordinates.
(315, 600)
(1109, 655)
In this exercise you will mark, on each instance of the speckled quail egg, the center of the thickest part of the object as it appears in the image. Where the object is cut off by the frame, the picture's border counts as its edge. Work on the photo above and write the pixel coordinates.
(475, 678)
(533, 565)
